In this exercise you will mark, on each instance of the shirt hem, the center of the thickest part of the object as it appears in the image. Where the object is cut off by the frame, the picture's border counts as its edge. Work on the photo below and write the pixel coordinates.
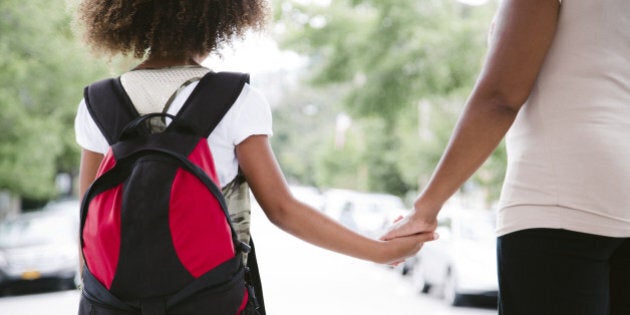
(518, 218)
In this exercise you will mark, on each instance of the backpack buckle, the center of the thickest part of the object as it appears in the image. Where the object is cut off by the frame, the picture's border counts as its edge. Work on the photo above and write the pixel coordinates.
(244, 247)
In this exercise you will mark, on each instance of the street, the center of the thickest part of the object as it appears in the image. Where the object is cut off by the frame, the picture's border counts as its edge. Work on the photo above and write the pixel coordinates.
(298, 278)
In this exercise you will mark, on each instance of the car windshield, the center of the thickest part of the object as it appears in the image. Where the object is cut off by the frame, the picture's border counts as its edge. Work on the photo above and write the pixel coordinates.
(36, 230)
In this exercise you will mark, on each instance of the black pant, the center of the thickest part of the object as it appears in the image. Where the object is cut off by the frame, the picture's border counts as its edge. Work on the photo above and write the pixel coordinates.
(557, 272)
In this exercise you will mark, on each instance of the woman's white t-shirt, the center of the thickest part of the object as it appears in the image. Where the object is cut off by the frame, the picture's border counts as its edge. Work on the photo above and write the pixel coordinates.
(569, 147)
(249, 115)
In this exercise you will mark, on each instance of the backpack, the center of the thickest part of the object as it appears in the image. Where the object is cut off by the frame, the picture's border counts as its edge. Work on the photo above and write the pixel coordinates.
(156, 234)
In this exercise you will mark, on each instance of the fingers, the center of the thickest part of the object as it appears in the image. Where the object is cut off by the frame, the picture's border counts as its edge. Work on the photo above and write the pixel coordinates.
(408, 246)
(392, 235)
(396, 263)
(400, 229)
(408, 226)
(393, 231)
(422, 237)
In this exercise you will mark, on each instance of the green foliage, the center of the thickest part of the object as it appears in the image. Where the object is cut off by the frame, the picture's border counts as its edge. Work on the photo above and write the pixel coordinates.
(423, 137)
(392, 56)
(43, 72)
(383, 173)
(395, 52)
(341, 166)
(301, 122)
(492, 172)
(26, 152)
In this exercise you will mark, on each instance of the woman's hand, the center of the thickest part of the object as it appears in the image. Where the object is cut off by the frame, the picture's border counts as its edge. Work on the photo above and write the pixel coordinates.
(423, 219)
(398, 249)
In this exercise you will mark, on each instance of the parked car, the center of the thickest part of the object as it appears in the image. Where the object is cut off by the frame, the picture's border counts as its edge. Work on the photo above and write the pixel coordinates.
(40, 247)
(462, 262)
(366, 213)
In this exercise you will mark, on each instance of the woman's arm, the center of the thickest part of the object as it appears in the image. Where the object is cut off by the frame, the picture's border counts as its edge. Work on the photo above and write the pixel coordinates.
(272, 193)
(523, 33)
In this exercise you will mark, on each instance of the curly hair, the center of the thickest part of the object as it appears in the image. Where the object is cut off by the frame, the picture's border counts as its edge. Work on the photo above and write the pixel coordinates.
(167, 28)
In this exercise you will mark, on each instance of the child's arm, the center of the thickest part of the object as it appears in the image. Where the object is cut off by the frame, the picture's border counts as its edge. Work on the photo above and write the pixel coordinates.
(267, 182)
(90, 162)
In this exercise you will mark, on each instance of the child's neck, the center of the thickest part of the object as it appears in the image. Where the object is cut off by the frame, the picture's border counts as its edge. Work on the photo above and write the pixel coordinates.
(157, 62)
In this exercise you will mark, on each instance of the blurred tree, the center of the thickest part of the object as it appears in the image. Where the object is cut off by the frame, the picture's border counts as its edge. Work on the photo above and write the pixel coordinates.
(43, 71)
(300, 120)
(394, 55)
(306, 140)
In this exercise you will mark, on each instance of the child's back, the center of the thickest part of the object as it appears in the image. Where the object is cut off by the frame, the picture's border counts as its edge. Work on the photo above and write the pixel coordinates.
(155, 230)
(174, 37)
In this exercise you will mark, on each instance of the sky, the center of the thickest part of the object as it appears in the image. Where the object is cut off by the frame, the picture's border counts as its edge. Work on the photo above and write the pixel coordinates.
(257, 53)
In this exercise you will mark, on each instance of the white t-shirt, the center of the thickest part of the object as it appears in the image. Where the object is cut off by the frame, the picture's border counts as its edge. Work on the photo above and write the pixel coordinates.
(249, 115)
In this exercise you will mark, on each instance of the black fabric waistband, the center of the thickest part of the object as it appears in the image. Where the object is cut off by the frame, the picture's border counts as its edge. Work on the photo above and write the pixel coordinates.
(226, 274)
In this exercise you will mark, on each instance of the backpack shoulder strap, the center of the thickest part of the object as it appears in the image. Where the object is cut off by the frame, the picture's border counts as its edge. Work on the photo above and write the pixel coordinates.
(211, 99)
(110, 107)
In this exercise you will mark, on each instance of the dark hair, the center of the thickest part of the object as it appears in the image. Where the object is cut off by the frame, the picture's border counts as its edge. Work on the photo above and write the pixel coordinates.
(167, 28)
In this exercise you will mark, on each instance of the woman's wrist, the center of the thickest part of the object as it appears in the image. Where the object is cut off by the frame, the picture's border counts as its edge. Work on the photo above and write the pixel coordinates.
(425, 209)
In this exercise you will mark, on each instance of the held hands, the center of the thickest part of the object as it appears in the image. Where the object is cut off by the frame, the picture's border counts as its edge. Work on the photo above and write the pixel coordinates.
(415, 227)
(398, 249)
(410, 225)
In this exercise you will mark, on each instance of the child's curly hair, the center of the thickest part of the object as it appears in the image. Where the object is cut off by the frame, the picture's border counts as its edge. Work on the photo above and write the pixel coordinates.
(167, 28)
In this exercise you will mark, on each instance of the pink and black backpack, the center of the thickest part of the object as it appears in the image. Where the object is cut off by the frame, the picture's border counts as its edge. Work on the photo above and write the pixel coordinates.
(156, 235)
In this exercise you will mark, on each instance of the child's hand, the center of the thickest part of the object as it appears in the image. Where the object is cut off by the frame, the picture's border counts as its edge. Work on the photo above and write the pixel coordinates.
(398, 249)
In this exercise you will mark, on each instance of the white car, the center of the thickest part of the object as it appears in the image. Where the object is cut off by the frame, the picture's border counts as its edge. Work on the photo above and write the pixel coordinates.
(366, 213)
(462, 262)
(40, 247)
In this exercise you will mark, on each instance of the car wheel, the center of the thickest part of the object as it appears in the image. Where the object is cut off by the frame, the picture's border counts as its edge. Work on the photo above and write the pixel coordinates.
(450, 294)
(405, 269)
(78, 281)
(67, 284)
(419, 282)
(407, 266)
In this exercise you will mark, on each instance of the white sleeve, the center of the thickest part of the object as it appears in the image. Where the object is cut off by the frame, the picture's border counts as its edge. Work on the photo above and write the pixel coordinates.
(87, 133)
(251, 116)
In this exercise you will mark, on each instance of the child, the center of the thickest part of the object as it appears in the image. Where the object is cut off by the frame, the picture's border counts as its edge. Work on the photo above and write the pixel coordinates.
(173, 38)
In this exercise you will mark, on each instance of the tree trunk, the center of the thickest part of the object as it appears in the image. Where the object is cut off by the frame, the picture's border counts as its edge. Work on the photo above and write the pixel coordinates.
(10, 204)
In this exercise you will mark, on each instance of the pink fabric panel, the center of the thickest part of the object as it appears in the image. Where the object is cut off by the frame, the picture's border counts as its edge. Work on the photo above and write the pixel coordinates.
(101, 233)
(200, 232)
(244, 303)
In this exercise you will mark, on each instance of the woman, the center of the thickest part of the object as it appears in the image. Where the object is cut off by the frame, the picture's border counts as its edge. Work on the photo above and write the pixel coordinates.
(557, 76)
